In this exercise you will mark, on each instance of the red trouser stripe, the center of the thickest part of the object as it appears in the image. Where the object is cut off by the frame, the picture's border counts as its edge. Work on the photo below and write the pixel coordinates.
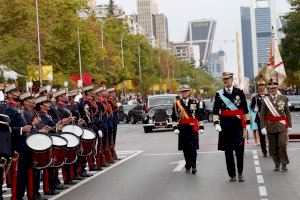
(46, 181)
(30, 186)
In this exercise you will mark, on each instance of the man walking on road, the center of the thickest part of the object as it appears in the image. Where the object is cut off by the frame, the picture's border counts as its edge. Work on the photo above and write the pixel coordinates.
(187, 123)
(231, 120)
(276, 122)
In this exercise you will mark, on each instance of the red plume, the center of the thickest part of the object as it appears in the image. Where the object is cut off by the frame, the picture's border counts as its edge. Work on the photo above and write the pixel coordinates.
(101, 82)
(93, 80)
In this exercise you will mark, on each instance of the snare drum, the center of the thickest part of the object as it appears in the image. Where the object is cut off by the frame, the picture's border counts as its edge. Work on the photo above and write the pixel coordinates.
(40, 147)
(87, 142)
(73, 128)
(72, 147)
(58, 150)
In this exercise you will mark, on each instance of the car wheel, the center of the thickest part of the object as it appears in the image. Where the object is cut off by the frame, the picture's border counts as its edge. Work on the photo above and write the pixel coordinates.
(147, 129)
(132, 120)
(210, 117)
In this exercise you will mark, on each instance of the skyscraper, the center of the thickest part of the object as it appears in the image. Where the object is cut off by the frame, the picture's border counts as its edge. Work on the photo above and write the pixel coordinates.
(162, 30)
(247, 42)
(201, 33)
(263, 30)
(216, 63)
(147, 9)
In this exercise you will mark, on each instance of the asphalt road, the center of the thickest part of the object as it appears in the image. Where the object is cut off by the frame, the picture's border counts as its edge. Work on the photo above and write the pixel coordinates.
(151, 169)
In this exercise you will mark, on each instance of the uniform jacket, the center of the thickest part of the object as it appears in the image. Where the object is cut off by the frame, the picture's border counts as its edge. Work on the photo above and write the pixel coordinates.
(281, 105)
(257, 100)
(231, 135)
(187, 134)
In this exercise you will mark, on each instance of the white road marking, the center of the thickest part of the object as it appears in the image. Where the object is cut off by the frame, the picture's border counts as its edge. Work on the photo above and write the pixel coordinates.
(254, 152)
(260, 179)
(256, 162)
(255, 157)
(93, 177)
(180, 165)
(258, 170)
(262, 190)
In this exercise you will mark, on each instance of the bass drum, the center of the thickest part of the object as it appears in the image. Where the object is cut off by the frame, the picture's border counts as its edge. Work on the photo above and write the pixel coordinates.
(87, 142)
(73, 128)
(72, 147)
(58, 150)
(39, 146)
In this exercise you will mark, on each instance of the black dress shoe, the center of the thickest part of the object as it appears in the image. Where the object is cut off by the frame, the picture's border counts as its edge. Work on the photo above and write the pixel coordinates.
(71, 182)
(85, 174)
(51, 193)
(265, 155)
(187, 171)
(194, 171)
(277, 168)
(241, 178)
(40, 197)
(284, 168)
(232, 179)
(61, 187)
(78, 178)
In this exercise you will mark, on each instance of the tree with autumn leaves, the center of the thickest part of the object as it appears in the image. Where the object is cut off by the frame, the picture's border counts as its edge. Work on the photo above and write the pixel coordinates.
(59, 25)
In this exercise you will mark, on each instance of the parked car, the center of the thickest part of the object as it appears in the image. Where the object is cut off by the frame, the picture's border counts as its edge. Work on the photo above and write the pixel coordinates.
(121, 114)
(294, 102)
(158, 113)
(208, 111)
(134, 114)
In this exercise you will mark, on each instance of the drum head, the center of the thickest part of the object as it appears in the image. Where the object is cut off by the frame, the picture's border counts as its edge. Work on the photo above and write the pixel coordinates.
(75, 129)
(88, 134)
(59, 141)
(39, 141)
(72, 139)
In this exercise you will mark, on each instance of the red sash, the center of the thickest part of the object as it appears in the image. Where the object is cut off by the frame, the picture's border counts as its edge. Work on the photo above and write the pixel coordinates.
(232, 113)
(192, 122)
(278, 119)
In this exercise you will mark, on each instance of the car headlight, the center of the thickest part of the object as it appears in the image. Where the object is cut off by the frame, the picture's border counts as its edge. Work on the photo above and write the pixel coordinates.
(289, 104)
(151, 113)
(169, 111)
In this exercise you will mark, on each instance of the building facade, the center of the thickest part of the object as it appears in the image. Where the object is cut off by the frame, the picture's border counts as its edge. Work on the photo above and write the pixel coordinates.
(181, 50)
(216, 63)
(162, 31)
(247, 43)
(201, 33)
(147, 9)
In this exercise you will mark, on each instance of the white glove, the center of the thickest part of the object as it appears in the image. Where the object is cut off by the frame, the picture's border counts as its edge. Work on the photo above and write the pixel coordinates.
(100, 133)
(264, 131)
(201, 131)
(248, 128)
(176, 131)
(289, 130)
(218, 128)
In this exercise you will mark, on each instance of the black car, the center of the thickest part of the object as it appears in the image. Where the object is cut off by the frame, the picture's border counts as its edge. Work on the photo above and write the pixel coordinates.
(208, 110)
(294, 102)
(134, 114)
(158, 113)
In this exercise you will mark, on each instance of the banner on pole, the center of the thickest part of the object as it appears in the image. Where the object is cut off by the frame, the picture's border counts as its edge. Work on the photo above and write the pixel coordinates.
(34, 71)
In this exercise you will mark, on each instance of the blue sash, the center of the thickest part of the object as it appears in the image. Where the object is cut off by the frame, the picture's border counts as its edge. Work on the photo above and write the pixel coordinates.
(227, 102)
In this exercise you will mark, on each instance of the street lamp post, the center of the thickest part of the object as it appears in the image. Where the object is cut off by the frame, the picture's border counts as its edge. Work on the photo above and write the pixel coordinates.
(39, 42)
(102, 28)
(122, 49)
(139, 53)
(79, 55)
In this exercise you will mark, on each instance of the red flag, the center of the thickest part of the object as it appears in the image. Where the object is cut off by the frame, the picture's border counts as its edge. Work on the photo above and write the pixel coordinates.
(86, 78)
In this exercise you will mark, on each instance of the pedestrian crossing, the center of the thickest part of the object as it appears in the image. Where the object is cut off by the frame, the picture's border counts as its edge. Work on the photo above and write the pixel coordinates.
(122, 155)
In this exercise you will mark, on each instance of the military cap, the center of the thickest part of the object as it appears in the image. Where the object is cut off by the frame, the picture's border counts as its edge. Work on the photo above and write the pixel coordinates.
(100, 89)
(73, 93)
(184, 88)
(11, 87)
(59, 93)
(111, 90)
(41, 99)
(91, 87)
(46, 88)
(226, 75)
(273, 84)
(261, 82)
(26, 95)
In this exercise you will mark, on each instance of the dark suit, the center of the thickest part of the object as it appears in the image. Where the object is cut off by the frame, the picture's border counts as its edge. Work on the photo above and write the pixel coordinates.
(257, 102)
(231, 138)
(188, 140)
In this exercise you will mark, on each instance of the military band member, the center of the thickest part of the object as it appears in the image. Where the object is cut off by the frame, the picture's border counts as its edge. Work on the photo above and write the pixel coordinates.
(231, 120)
(276, 122)
(256, 104)
(188, 124)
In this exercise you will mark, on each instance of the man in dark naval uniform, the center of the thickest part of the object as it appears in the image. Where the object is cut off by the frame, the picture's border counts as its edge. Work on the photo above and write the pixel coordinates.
(231, 120)
(255, 106)
(187, 123)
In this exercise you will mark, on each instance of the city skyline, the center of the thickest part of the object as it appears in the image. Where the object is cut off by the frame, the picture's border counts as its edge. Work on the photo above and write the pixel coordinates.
(226, 13)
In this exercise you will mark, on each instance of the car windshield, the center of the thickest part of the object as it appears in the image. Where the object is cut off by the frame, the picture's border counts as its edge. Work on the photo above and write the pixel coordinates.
(156, 101)
(294, 98)
(126, 108)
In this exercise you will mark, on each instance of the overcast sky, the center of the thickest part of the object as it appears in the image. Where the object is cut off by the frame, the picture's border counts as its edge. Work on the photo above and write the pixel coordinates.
(226, 12)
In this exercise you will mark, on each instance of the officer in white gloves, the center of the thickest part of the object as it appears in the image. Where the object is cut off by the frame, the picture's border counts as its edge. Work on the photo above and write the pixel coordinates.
(188, 124)
(276, 122)
(232, 121)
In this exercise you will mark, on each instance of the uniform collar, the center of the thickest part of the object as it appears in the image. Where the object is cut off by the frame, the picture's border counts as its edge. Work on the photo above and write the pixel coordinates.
(231, 89)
